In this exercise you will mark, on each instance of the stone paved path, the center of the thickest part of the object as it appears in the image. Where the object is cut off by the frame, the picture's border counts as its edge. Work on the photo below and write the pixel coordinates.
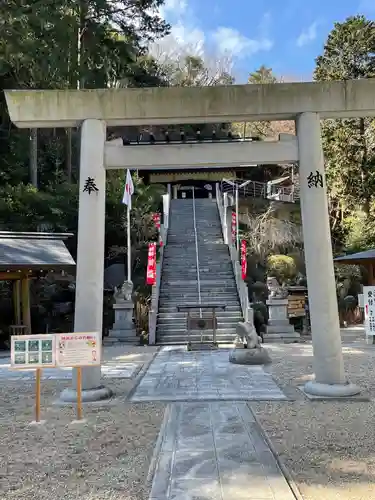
(109, 370)
(178, 375)
(214, 451)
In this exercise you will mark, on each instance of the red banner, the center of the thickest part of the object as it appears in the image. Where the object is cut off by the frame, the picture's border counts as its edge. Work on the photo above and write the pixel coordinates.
(243, 259)
(234, 227)
(156, 219)
(151, 264)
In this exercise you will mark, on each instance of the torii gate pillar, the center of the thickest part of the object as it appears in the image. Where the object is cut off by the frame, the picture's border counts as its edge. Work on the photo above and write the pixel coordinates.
(88, 316)
(330, 379)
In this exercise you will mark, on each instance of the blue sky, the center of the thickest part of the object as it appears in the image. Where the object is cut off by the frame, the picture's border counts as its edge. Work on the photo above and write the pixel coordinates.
(286, 35)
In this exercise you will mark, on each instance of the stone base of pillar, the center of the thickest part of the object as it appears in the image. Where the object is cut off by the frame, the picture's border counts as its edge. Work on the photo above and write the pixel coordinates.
(102, 393)
(284, 337)
(123, 328)
(279, 329)
(115, 337)
(318, 390)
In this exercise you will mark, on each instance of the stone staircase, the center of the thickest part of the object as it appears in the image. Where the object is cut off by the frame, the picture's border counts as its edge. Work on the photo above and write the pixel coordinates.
(179, 283)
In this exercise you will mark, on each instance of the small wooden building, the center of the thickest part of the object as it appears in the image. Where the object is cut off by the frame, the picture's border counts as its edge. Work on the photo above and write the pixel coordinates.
(365, 259)
(26, 256)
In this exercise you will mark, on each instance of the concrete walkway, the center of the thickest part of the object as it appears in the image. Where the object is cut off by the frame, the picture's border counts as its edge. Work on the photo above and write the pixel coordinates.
(210, 446)
(178, 375)
(214, 451)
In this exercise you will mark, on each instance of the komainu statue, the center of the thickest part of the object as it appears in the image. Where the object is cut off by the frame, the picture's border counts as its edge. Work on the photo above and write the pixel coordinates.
(275, 291)
(247, 348)
(124, 293)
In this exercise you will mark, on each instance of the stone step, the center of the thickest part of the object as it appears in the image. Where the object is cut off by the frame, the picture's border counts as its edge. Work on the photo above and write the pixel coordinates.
(210, 300)
(192, 284)
(225, 265)
(171, 308)
(269, 338)
(227, 329)
(184, 276)
(205, 273)
(223, 318)
(187, 262)
(194, 289)
(183, 339)
(185, 291)
(282, 330)
(205, 299)
(221, 315)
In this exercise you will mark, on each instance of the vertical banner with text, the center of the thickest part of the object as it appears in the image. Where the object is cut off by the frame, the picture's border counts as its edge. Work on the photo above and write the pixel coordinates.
(243, 259)
(151, 264)
(369, 303)
(234, 228)
(157, 221)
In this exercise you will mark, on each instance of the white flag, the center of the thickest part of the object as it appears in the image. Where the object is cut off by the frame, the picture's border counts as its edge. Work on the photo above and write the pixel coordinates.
(128, 191)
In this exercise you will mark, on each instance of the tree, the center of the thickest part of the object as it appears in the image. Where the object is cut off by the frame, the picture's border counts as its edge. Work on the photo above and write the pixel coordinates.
(263, 76)
(103, 43)
(349, 145)
(268, 234)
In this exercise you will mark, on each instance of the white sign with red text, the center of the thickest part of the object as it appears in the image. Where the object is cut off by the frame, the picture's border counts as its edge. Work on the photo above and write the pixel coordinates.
(78, 349)
(369, 302)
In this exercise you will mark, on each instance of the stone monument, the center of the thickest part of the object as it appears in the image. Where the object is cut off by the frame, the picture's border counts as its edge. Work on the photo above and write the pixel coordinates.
(247, 346)
(278, 328)
(123, 328)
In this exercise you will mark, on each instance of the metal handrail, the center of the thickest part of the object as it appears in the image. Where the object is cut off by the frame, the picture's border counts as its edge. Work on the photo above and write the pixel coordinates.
(256, 189)
(197, 253)
(240, 284)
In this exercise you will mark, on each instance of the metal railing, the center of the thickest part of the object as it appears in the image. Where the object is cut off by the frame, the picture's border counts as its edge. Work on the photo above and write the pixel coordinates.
(154, 306)
(241, 286)
(197, 253)
(265, 190)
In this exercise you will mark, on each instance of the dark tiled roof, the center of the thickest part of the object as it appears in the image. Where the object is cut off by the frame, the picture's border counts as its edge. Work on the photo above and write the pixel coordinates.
(366, 255)
(19, 251)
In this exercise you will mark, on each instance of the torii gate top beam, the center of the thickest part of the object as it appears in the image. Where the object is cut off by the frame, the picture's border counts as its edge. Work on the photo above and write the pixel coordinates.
(174, 105)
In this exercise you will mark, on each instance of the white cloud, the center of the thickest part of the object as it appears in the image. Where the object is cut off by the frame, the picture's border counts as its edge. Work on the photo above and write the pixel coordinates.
(175, 8)
(307, 35)
(232, 42)
(188, 36)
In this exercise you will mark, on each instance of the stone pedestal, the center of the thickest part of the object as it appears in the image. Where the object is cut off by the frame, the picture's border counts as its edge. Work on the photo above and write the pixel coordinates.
(123, 328)
(256, 356)
(279, 329)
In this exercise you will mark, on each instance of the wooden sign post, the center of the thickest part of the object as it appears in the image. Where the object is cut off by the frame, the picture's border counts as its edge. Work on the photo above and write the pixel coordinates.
(79, 393)
(68, 350)
(33, 352)
(38, 389)
(78, 350)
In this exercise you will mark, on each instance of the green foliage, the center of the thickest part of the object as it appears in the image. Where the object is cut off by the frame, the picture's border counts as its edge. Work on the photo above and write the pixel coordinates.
(282, 267)
(349, 145)
(260, 312)
(259, 291)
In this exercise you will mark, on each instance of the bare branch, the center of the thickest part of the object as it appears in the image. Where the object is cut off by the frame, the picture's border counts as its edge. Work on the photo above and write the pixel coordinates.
(267, 234)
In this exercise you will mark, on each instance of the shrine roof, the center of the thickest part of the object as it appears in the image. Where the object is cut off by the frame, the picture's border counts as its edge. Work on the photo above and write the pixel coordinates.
(34, 251)
(356, 258)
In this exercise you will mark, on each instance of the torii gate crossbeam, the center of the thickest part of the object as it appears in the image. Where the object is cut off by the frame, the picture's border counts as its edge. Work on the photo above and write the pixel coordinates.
(306, 103)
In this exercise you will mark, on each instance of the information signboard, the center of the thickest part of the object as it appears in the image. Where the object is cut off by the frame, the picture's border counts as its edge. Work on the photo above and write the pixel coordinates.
(369, 302)
(296, 306)
(78, 349)
(33, 351)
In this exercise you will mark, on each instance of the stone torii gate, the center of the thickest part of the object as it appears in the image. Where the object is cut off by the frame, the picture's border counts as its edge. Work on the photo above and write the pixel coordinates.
(306, 103)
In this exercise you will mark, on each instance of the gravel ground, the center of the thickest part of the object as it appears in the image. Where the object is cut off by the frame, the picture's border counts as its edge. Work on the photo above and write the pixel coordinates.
(329, 447)
(107, 458)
